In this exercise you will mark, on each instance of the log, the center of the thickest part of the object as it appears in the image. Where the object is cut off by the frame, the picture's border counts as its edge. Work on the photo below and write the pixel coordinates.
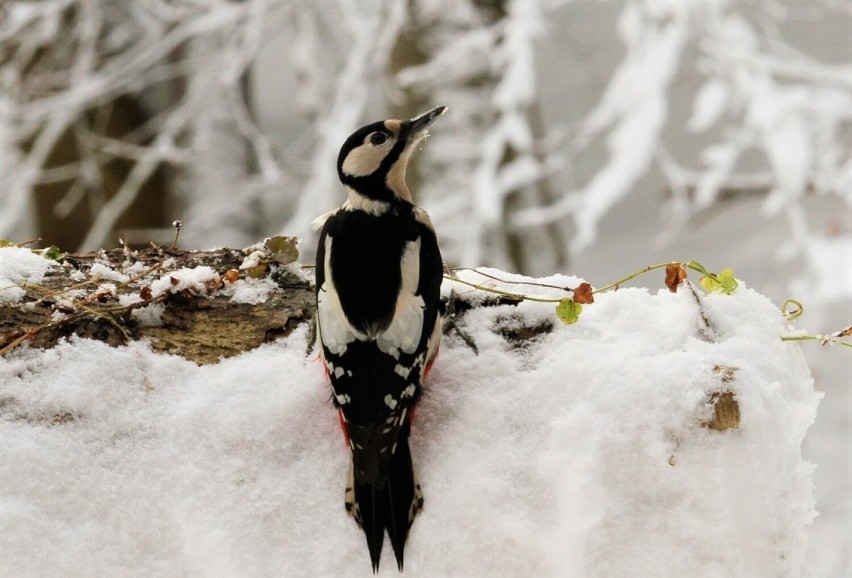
(199, 327)
(206, 326)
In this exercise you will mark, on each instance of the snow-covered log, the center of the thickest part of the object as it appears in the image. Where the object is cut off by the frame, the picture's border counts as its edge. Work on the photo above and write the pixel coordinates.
(658, 436)
(200, 305)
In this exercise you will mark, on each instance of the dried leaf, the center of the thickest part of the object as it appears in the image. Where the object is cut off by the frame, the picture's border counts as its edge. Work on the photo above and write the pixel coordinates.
(844, 332)
(583, 294)
(232, 275)
(283, 249)
(146, 294)
(675, 275)
(257, 271)
(568, 311)
(173, 280)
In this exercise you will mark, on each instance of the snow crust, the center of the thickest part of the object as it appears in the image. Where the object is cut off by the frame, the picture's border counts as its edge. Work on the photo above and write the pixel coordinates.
(578, 454)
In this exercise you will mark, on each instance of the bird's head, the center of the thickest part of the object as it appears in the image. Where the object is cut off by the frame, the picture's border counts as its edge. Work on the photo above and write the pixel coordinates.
(373, 161)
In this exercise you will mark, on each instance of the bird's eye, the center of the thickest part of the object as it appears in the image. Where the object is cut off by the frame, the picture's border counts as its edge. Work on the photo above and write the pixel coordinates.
(378, 138)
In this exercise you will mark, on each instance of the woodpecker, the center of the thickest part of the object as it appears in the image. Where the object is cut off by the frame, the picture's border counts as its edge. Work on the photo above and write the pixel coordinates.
(378, 279)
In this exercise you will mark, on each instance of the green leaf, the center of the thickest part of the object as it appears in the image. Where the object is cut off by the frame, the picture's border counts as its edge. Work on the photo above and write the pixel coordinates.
(710, 283)
(727, 281)
(52, 252)
(696, 266)
(283, 249)
(724, 282)
(6, 243)
(568, 311)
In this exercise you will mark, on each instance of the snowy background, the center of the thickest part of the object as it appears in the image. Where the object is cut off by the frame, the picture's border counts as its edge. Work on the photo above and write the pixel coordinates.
(583, 137)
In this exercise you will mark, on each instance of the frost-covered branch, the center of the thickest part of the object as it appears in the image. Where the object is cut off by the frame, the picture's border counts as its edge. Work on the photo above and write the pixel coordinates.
(67, 60)
(759, 93)
(482, 63)
(371, 30)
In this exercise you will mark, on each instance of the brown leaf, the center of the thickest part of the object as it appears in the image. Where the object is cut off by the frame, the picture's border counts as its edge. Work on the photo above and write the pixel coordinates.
(173, 280)
(583, 294)
(844, 332)
(675, 275)
(232, 275)
(146, 294)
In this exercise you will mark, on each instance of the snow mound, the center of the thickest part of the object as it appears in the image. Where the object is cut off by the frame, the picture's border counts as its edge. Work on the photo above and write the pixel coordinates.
(19, 265)
(579, 452)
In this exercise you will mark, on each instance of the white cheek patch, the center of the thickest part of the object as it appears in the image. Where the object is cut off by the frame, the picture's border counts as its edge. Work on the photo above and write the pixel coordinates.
(334, 329)
(405, 329)
(364, 160)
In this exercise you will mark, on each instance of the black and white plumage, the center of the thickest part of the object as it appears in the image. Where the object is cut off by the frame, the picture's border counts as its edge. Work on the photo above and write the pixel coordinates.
(378, 279)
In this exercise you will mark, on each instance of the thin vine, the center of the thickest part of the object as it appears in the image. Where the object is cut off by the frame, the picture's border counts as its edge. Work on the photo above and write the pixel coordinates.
(568, 308)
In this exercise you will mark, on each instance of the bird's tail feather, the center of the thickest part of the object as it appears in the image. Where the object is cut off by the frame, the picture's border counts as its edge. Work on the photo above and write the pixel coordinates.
(391, 507)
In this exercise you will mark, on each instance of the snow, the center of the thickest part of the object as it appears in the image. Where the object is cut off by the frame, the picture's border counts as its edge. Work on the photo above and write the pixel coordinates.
(191, 278)
(579, 453)
(19, 265)
(250, 290)
(105, 272)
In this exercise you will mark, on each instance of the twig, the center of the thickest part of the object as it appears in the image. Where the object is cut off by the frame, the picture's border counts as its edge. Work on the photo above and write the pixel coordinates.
(617, 284)
(707, 330)
(25, 243)
(546, 285)
(16, 342)
(516, 296)
(451, 325)
(823, 339)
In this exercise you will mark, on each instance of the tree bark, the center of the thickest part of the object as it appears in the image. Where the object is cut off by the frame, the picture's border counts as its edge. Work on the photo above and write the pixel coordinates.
(201, 328)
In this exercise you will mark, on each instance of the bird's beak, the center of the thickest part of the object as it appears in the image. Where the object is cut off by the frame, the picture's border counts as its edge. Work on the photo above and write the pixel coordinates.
(421, 122)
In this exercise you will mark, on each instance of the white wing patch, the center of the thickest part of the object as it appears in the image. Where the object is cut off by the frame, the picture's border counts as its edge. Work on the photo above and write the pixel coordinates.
(405, 329)
(434, 340)
(335, 331)
(318, 223)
